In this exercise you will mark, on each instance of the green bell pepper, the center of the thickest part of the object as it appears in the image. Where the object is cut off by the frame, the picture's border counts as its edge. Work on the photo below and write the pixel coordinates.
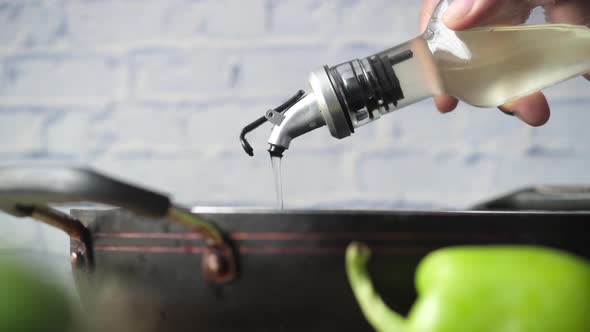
(28, 303)
(483, 289)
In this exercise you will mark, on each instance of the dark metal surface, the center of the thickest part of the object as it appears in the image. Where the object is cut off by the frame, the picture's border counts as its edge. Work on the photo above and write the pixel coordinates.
(542, 198)
(292, 263)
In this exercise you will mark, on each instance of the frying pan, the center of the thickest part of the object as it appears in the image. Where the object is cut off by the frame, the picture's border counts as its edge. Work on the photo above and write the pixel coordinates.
(222, 269)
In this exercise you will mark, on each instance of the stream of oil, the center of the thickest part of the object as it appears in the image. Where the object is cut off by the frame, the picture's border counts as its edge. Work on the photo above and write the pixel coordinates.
(278, 177)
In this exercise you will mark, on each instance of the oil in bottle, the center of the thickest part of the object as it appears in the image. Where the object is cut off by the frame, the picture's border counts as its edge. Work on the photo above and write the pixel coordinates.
(506, 62)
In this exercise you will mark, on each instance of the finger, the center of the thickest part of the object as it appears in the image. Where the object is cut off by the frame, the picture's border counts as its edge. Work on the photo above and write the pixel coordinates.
(465, 14)
(445, 103)
(570, 11)
(532, 109)
(428, 7)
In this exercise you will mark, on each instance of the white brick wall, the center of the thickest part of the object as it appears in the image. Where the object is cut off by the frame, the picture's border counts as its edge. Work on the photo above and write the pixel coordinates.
(157, 91)
(45, 78)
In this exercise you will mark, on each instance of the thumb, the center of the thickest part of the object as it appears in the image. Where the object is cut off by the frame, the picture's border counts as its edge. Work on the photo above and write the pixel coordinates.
(465, 14)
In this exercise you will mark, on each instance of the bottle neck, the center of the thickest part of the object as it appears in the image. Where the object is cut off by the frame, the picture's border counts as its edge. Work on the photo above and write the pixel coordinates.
(384, 82)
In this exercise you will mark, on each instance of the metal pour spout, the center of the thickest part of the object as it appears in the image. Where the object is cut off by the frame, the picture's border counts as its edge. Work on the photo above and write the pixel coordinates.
(295, 117)
(300, 119)
(326, 105)
(260, 121)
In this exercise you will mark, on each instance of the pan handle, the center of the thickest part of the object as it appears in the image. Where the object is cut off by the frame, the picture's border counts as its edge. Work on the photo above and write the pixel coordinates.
(34, 186)
(26, 192)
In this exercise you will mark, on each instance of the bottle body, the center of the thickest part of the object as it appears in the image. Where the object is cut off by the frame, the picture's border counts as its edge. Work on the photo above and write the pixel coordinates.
(498, 64)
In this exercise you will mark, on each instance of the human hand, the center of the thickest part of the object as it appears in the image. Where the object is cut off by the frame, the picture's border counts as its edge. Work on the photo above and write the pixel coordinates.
(464, 14)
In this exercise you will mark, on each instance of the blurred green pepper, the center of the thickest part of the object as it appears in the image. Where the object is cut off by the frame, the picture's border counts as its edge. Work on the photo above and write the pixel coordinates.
(484, 289)
(29, 303)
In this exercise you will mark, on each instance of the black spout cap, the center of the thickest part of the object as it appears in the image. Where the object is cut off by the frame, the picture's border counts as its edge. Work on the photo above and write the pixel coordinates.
(276, 151)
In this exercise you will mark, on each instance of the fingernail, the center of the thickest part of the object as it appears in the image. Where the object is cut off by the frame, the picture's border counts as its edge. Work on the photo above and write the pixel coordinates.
(459, 8)
(505, 111)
